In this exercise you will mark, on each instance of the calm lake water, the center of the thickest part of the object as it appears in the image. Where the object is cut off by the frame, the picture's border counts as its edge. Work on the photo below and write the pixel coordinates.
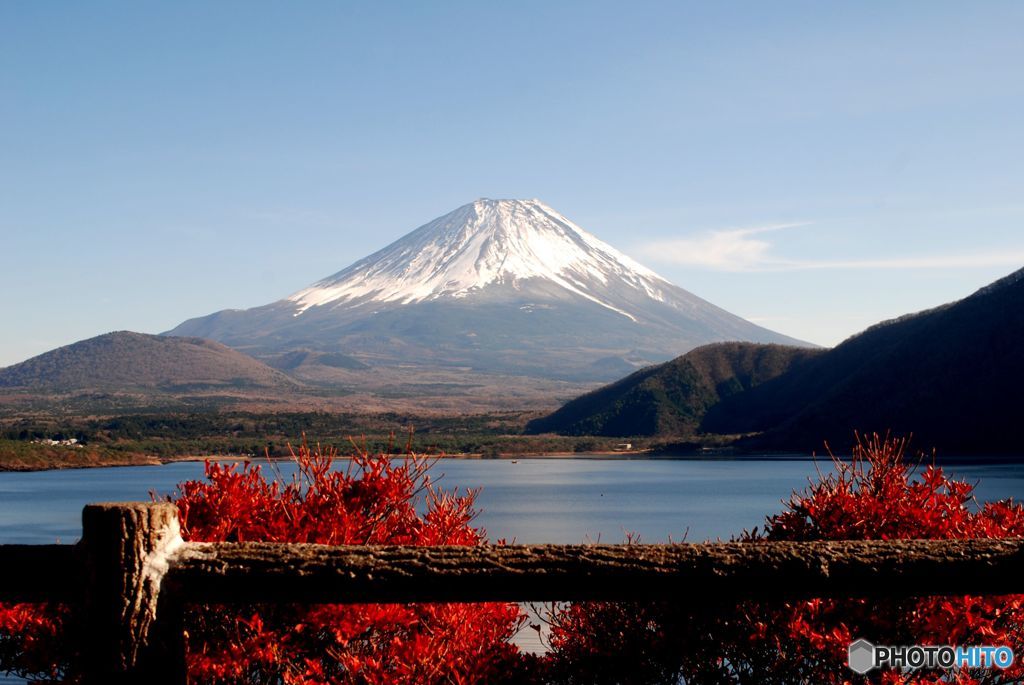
(532, 501)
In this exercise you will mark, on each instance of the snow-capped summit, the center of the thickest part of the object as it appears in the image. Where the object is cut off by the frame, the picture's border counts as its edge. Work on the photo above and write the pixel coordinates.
(485, 243)
(507, 286)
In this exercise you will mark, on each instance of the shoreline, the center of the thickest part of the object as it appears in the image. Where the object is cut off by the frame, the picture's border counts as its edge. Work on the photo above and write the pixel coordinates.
(632, 455)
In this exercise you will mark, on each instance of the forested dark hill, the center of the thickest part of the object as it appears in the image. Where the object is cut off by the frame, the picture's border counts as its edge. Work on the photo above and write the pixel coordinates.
(953, 376)
(672, 398)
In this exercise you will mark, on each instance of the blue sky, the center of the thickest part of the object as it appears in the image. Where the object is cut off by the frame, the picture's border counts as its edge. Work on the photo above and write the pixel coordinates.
(815, 167)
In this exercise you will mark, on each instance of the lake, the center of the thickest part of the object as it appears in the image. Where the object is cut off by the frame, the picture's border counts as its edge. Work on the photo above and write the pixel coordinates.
(531, 501)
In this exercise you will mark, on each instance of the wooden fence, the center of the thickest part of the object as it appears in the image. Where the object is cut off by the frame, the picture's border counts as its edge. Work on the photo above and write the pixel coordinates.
(132, 574)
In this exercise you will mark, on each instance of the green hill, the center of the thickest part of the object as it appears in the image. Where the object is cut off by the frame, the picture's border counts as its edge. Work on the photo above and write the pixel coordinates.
(953, 376)
(672, 398)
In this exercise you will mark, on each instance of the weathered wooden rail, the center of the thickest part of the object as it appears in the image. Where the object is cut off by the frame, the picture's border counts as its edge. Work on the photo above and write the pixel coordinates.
(135, 574)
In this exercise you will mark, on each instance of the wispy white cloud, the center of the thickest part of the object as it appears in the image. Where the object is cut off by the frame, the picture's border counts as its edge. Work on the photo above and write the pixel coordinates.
(746, 249)
(733, 249)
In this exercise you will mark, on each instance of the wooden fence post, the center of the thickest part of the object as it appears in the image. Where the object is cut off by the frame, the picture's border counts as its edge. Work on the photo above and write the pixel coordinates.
(126, 548)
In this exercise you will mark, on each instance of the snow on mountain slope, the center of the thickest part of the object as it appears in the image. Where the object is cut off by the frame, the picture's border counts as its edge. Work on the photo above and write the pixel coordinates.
(507, 286)
(488, 242)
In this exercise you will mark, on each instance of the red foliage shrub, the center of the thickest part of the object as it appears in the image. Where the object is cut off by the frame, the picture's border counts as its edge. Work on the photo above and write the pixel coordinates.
(32, 643)
(373, 501)
(877, 495)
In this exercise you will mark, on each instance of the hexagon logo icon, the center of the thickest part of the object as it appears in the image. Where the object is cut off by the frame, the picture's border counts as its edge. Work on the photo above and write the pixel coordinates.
(861, 657)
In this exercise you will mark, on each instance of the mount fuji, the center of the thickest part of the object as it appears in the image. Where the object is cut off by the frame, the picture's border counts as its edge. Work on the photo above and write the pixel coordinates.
(496, 286)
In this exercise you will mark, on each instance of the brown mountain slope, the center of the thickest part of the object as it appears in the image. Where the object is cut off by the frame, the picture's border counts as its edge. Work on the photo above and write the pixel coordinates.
(125, 361)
